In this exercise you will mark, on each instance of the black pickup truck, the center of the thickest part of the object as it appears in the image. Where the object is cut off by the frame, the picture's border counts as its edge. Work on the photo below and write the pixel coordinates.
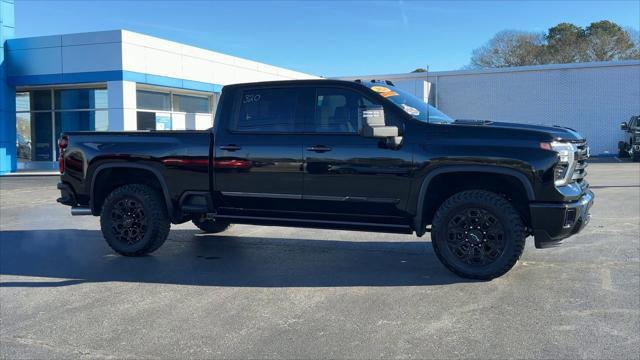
(630, 148)
(354, 155)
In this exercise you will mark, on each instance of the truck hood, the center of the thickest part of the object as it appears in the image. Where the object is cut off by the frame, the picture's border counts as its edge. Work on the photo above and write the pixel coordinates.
(555, 132)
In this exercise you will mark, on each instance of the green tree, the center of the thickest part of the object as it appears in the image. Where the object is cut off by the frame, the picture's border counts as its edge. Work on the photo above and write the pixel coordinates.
(563, 43)
(566, 43)
(607, 41)
(419, 70)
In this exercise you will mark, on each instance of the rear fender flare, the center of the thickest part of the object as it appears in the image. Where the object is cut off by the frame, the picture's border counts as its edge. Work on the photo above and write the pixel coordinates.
(155, 172)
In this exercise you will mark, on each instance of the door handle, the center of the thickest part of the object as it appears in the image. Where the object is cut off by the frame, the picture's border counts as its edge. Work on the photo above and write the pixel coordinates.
(231, 147)
(319, 148)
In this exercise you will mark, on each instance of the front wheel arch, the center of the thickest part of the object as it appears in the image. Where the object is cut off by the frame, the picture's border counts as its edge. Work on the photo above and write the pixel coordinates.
(518, 186)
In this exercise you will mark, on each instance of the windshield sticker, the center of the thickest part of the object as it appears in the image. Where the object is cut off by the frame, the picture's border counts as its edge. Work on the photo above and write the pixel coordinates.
(389, 93)
(410, 110)
(384, 91)
(380, 89)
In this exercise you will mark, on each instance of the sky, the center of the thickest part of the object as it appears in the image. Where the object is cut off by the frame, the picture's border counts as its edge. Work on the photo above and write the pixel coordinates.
(326, 38)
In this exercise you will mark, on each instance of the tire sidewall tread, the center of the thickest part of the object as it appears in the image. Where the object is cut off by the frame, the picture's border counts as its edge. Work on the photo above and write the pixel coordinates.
(158, 220)
(501, 208)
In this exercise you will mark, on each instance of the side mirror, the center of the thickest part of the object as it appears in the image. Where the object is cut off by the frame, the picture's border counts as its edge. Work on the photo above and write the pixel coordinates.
(624, 126)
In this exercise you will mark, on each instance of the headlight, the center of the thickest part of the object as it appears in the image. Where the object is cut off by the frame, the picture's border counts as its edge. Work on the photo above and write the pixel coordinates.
(566, 160)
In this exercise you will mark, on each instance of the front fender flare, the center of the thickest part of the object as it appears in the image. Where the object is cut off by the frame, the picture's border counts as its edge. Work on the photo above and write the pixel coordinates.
(418, 221)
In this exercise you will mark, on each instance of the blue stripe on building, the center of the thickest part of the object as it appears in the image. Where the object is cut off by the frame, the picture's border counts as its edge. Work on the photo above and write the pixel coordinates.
(115, 75)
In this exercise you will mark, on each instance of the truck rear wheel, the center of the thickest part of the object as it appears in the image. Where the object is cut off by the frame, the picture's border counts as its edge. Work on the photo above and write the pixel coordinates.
(134, 220)
(478, 234)
(211, 226)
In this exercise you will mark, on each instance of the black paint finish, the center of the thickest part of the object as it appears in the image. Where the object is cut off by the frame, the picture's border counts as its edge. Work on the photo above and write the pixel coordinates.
(332, 180)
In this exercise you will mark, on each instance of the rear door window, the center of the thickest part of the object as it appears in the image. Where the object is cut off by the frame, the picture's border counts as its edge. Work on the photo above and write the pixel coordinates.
(272, 110)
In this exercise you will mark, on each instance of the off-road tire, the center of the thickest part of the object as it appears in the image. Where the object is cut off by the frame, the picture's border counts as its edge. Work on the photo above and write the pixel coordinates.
(622, 150)
(155, 223)
(211, 226)
(511, 224)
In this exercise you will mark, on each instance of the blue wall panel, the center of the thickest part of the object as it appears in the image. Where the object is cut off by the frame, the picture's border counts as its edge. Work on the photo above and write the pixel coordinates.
(7, 93)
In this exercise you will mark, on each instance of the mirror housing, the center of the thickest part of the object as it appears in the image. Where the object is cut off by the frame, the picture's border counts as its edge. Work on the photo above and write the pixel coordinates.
(624, 126)
(379, 131)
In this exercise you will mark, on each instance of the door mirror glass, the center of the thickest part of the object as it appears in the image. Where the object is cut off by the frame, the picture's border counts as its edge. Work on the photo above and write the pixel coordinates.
(624, 126)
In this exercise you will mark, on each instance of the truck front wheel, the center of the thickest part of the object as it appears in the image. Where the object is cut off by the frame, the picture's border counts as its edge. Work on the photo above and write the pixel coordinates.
(478, 234)
(134, 220)
(211, 226)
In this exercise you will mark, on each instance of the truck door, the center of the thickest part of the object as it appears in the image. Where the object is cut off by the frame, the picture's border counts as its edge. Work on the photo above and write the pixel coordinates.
(257, 157)
(347, 176)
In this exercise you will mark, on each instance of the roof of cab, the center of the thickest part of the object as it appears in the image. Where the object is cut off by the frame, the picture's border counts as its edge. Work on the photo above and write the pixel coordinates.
(295, 82)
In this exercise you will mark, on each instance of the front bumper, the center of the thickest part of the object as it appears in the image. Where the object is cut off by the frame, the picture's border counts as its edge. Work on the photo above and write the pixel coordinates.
(552, 222)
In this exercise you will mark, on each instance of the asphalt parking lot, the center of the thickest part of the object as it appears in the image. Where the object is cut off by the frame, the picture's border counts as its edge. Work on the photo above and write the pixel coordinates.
(268, 292)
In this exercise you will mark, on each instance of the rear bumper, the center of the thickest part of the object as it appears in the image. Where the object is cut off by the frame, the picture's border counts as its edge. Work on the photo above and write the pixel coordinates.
(552, 223)
(67, 195)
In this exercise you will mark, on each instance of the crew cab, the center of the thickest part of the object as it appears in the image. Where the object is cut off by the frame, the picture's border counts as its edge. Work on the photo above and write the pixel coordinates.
(351, 155)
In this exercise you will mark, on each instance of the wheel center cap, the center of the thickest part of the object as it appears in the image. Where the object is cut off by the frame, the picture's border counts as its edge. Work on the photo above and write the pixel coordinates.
(475, 236)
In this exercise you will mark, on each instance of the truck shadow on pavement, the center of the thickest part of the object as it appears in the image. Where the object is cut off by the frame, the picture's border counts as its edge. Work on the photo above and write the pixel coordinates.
(70, 257)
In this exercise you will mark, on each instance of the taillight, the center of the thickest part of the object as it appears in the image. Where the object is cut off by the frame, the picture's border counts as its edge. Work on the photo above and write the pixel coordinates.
(63, 142)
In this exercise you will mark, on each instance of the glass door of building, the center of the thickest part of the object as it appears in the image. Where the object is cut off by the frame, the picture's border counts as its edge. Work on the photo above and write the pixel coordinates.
(43, 140)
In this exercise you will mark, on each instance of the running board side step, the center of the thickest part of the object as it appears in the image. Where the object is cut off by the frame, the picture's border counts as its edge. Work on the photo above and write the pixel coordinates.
(79, 211)
(318, 224)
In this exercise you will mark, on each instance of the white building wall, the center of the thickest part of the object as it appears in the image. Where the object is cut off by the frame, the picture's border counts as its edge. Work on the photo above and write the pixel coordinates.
(130, 51)
(150, 55)
(592, 98)
(122, 105)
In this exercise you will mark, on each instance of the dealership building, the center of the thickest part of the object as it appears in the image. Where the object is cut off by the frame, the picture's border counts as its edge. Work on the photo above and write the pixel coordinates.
(125, 81)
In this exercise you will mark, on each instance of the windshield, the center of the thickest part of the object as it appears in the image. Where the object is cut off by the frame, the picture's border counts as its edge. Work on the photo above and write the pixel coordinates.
(411, 104)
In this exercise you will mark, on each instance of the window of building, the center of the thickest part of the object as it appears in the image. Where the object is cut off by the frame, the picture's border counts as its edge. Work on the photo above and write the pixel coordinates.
(337, 110)
(191, 104)
(42, 114)
(41, 100)
(23, 101)
(174, 110)
(271, 110)
(66, 99)
(152, 100)
(23, 136)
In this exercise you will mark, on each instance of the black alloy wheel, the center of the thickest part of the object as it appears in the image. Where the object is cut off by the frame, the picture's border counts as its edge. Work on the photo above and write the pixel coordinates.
(478, 234)
(134, 220)
(128, 220)
(475, 236)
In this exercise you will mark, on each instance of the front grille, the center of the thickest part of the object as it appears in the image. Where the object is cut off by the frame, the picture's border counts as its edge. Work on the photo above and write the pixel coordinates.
(581, 156)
